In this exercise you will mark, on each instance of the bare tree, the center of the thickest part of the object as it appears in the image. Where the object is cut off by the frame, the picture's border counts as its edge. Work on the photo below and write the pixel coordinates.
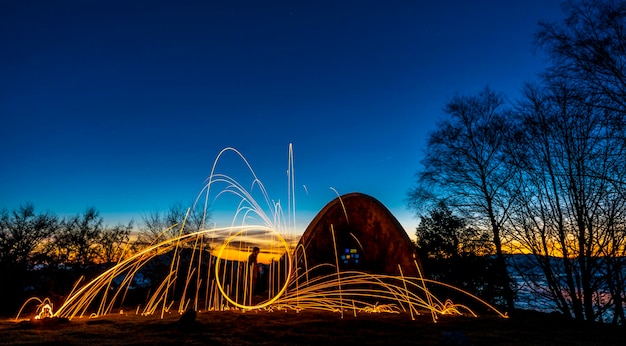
(466, 165)
(22, 234)
(589, 47)
(568, 206)
(176, 220)
(76, 243)
(114, 242)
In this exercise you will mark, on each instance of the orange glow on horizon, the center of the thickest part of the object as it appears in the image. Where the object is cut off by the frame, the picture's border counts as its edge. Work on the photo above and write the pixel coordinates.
(219, 283)
(234, 254)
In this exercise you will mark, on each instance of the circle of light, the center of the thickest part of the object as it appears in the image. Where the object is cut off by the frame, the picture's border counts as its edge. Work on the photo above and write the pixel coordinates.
(262, 305)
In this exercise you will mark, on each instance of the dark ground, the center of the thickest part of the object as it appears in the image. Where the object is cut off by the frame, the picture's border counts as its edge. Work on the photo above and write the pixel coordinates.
(310, 328)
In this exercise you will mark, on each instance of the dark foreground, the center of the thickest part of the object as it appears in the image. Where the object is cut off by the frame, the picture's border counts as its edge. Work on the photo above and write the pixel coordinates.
(309, 328)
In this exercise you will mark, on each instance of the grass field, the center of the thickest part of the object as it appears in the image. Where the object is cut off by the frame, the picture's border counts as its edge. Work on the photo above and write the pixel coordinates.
(309, 328)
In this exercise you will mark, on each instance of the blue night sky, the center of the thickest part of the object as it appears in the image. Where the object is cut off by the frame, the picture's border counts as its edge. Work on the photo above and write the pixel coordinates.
(124, 105)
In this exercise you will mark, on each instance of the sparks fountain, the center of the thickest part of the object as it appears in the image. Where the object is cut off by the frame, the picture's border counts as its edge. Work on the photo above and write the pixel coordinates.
(207, 270)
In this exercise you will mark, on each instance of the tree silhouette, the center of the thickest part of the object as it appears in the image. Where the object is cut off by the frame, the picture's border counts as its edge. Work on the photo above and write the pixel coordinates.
(76, 243)
(465, 165)
(570, 155)
(22, 233)
(454, 253)
(589, 48)
(114, 242)
(160, 225)
(570, 205)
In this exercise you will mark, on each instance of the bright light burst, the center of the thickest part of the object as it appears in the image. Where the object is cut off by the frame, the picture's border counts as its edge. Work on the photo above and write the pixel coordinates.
(207, 270)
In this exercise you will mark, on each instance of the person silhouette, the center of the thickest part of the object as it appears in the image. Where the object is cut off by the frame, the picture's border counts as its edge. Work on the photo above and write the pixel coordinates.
(253, 269)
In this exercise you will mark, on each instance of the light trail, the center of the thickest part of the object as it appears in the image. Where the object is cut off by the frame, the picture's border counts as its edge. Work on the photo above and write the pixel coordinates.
(207, 269)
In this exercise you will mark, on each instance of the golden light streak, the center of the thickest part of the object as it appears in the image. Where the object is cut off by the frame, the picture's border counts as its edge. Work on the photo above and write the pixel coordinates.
(264, 304)
(332, 229)
(343, 206)
(430, 302)
(408, 300)
(226, 285)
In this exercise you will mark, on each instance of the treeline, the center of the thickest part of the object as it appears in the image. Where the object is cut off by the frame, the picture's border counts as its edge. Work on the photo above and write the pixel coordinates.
(543, 175)
(43, 255)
